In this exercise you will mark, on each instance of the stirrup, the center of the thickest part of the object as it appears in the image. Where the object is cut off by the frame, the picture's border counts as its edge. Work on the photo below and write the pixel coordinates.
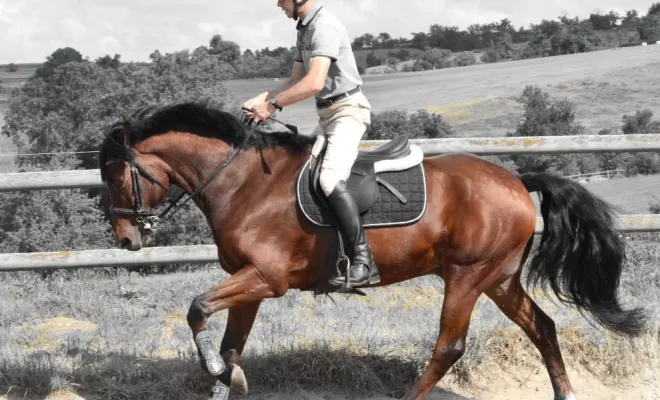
(346, 287)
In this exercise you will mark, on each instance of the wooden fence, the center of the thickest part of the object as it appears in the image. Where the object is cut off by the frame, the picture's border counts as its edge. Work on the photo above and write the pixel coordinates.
(205, 254)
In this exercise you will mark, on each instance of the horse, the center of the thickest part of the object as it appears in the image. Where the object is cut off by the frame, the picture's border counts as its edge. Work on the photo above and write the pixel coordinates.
(474, 229)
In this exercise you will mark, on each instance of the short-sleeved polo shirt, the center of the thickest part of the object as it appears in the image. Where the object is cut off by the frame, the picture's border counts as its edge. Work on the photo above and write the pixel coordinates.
(321, 34)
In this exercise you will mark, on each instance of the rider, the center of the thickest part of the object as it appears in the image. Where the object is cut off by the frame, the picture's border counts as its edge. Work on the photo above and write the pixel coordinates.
(325, 67)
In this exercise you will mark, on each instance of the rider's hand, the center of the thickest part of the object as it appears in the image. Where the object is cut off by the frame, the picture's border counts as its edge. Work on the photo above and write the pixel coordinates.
(262, 111)
(251, 104)
(255, 100)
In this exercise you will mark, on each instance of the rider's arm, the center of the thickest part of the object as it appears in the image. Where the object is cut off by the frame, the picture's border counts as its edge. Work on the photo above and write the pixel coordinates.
(309, 85)
(325, 49)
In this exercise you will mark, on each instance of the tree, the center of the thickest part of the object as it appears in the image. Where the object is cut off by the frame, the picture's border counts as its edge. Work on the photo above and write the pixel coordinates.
(373, 60)
(109, 62)
(604, 22)
(420, 40)
(52, 220)
(421, 124)
(433, 58)
(225, 50)
(499, 49)
(640, 123)
(69, 112)
(543, 117)
(59, 57)
(649, 28)
(384, 39)
(654, 9)
(365, 41)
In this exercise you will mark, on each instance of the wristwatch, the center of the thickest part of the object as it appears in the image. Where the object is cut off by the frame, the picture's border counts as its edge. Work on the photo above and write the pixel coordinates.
(273, 102)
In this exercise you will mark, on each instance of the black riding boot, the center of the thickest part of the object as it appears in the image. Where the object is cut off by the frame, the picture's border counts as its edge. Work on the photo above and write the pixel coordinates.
(363, 268)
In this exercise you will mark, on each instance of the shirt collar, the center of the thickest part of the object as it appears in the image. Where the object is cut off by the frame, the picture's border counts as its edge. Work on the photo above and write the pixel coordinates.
(310, 16)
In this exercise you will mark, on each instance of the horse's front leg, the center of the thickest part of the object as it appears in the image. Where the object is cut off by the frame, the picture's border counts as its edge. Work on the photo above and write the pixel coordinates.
(240, 320)
(246, 287)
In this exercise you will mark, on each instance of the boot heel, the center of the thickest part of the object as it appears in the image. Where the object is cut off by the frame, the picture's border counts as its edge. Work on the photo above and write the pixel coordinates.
(374, 279)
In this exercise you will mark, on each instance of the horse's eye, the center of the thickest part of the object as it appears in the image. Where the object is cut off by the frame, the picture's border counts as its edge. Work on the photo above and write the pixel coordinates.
(116, 183)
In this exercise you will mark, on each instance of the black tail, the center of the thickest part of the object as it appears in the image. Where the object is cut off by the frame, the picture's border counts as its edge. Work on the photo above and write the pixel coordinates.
(581, 254)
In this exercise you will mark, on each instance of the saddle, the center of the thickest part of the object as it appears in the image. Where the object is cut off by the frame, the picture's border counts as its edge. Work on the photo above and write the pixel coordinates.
(387, 182)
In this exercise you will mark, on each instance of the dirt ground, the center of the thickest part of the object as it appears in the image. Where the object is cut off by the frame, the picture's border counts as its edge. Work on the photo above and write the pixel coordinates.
(532, 385)
(522, 385)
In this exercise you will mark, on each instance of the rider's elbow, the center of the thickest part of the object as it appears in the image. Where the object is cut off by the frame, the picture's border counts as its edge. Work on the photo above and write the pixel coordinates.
(317, 85)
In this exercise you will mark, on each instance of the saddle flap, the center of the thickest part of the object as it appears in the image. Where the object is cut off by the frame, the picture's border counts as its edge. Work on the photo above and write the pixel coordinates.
(362, 185)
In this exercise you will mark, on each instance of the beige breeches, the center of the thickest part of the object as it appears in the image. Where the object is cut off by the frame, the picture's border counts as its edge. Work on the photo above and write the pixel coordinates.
(343, 124)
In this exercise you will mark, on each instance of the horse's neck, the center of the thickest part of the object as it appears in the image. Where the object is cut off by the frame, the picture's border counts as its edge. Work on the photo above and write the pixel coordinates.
(250, 172)
(258, 179)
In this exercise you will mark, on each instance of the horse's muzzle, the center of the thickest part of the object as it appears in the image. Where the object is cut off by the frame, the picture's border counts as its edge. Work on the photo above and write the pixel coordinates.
(130, 244)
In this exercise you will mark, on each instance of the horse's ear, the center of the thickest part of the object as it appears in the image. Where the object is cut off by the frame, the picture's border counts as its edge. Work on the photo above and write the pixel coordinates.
(125, 133)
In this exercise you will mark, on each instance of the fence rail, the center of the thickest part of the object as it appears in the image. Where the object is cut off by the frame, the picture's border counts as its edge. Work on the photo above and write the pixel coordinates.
(480, 146)
(598, 175)
(208, 253)
(201, 253)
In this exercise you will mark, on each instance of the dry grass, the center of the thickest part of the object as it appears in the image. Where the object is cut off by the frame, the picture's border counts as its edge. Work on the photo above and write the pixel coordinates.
(128, 337)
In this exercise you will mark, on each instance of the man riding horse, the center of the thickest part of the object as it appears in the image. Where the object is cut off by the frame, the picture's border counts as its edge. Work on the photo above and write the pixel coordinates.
(325, 67)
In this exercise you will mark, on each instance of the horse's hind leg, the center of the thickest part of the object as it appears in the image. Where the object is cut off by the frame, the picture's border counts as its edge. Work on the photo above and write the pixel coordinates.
(512, 299)
(460, 298)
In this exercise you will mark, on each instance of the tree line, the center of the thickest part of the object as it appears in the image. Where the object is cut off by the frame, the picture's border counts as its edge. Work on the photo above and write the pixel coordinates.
(448, 46)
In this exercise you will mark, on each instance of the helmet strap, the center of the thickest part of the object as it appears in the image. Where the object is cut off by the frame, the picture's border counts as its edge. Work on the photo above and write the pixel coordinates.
(297, 5)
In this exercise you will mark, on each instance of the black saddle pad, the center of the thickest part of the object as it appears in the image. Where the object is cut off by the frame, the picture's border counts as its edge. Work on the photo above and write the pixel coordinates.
(387, 211)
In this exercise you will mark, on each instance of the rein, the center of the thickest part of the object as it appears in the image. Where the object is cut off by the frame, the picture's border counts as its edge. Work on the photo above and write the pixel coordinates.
(148, 220)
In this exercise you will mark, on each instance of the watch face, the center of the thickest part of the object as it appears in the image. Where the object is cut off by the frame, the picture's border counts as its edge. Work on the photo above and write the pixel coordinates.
(274, 103)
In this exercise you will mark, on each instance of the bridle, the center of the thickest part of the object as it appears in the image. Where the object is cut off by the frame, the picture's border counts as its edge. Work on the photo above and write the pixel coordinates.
(148, 220)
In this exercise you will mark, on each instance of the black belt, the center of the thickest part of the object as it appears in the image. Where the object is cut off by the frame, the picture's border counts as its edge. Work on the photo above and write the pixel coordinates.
(323, 103)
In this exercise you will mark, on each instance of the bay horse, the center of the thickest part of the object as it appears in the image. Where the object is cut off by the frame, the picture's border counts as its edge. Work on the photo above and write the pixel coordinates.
(475, 232)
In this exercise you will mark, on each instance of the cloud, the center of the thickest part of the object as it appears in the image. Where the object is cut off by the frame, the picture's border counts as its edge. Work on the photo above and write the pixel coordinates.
(211, 28)
(33, 29)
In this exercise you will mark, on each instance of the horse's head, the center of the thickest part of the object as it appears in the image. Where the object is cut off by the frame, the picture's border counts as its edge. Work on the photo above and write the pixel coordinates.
(198, 141)
(136, 183)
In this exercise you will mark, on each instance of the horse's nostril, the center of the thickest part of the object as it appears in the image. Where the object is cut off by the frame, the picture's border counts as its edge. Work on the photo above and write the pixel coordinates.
(125, 243)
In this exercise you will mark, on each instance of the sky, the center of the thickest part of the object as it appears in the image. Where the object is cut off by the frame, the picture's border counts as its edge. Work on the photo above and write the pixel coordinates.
(30, 30)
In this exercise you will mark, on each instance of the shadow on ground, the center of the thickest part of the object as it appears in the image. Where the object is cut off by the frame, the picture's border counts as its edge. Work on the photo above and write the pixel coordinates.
(301, 374)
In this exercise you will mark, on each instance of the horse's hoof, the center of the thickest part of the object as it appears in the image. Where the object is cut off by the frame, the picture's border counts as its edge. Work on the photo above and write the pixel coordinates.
(237, 382)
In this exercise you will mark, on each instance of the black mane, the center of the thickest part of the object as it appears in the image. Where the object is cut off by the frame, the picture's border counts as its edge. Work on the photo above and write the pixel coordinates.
(200, 119)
